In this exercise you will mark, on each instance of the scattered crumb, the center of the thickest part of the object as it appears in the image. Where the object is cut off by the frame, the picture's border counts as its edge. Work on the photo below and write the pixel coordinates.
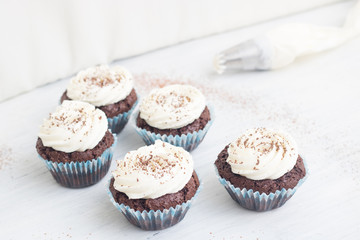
(5, 156)
(248, 107)
(87, 237)
(252, 109)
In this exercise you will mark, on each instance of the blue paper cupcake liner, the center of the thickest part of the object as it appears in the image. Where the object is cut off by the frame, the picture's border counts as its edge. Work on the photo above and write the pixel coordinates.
(81, 174)
(189, 141)
(259, 202)
(117, 123)
(154, 220)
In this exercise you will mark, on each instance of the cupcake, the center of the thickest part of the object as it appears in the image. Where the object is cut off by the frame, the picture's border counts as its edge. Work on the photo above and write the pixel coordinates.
(75, 144)
(261, 169)
(154, 186)
(109, 89)
(176, 114)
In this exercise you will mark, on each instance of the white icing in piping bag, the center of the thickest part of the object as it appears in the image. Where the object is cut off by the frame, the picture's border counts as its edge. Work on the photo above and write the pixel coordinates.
(281, 46)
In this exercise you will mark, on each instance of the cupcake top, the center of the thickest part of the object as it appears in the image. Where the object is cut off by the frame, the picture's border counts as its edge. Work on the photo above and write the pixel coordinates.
(101, 85)
(262, 153)
(153, 171)
(74, 126)
(172, 107)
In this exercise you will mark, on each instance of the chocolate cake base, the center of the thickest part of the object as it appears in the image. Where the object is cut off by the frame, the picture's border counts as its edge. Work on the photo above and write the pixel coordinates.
(114, 109)
(288, 180)
(195, 126)
(164, 202)
(53, 155)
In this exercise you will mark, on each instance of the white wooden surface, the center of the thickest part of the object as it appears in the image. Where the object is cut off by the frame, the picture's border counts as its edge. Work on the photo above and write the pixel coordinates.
(317, 100)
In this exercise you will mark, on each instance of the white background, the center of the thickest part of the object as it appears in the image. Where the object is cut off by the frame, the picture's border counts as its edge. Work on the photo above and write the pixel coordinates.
(49, 40)
(317, 100)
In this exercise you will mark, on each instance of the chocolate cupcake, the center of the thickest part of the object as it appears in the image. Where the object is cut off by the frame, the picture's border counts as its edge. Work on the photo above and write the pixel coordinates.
(262, 169)
(76, 145)
(154, 186)
(109, 89)
(176, 114)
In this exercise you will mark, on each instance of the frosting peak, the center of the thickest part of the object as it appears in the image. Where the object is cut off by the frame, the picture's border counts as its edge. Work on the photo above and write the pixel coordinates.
(262, 153)
(74, 126)
(101, 85)
(153, 171)
(172, 107)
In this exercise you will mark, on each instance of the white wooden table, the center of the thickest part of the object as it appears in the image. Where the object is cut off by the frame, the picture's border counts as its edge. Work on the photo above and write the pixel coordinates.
(317, 100)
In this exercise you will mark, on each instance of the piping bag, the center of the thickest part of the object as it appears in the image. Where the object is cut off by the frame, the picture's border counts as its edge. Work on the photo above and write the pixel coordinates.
(281, 46)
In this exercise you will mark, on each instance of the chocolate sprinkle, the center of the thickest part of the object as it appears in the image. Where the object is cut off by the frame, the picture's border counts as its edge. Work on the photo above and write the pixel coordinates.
(288, 180)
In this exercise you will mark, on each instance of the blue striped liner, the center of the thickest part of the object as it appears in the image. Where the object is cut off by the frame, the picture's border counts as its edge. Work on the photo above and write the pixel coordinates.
(81, 174)
(154, 220)
(260, 202)
(117, 123)
(189, 141)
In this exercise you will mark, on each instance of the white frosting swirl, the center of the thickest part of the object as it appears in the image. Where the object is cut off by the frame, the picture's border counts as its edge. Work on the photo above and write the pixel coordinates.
(74, 126)
(262, 153)
(153, 171)
(101, 85)
(172, 107)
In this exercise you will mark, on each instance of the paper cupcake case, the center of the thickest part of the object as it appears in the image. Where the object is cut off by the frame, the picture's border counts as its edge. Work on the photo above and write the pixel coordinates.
(117, 123)
(189, 141)
(154, 220)
(81, 174)
(260, 202)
